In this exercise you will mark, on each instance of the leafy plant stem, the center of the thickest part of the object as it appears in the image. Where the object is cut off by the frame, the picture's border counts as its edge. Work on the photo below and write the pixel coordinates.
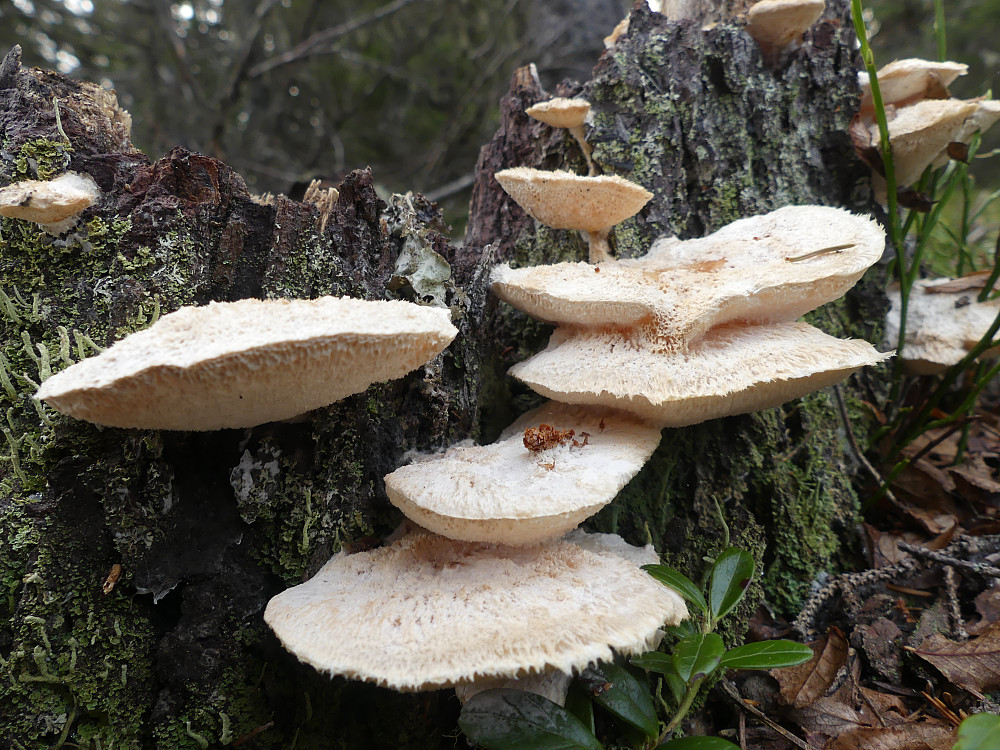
(895, 230)
(939, 30)
(987, 289)
(685, 705)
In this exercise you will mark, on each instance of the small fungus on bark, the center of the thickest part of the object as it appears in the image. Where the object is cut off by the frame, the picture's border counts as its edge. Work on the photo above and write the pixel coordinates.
(240, 364)
(904, 82)
(52, 204)
(777, 24)
(563, 200)
(569, 114)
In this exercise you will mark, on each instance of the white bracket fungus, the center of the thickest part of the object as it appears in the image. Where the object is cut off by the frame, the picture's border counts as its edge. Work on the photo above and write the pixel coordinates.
(776, 24)
(570, 114)
(239, 364)
(908, 81)
(776, 266)
(944, 320)
(511, 494)
(429, 612)
(52, 204)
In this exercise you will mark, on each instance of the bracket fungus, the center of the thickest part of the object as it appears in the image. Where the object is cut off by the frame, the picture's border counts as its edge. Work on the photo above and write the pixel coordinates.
(428, 612)
(904, 82)
(563, 200)
(944, 320)
(52, 204)
(239, 364)
(733, 369)
(775, 266)
(776, 24)
(509, 493)
(569, 114)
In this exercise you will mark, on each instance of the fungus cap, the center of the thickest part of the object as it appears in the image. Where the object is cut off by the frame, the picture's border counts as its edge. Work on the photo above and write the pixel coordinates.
(563, 200)
(774, 266)
(941, 325)
(429, 612)
(733, 369)
(903, 82)
(508, 494)
(560, 112)
(239, 364)
(921, 132)
(49, 202)
(780, 22)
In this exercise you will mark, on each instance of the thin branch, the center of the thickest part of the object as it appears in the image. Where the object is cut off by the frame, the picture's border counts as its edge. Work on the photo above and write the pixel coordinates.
(316, 44)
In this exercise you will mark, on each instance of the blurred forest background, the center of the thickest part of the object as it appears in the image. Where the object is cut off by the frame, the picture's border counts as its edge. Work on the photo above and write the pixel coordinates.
(289, 90)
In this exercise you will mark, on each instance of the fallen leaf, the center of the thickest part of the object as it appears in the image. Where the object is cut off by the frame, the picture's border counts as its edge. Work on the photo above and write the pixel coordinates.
(967, 283)
(971, 665)
(803, 685)
(881, 641)
(926, 735)
(988, 607)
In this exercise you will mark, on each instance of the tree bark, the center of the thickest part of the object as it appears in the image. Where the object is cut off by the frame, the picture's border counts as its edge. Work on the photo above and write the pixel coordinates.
(207, 526)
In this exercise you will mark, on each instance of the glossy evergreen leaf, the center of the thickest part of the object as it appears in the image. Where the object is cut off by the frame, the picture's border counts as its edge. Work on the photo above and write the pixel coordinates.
(767, 655)
(505, 719)
(696, 655)
(729, 580)
(579, 703)
(979, 732)
(679, 583)
(628, 698)
(654, 661)
(698, 743)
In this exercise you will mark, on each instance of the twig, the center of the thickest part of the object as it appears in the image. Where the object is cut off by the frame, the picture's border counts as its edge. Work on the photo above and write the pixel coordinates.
(951, 595)
(853, 440)
(733, 694)
(945, 559)
(314, 45)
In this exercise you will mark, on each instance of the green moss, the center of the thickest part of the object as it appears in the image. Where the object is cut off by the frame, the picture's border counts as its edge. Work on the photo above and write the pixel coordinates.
(40, 159)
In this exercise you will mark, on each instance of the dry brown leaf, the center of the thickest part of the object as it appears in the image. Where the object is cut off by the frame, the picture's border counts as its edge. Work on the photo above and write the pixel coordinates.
(988, 607)
(927, 735)
(971, 665)
(975, 280)
(803, 685)
(881, 641)
(978, 473)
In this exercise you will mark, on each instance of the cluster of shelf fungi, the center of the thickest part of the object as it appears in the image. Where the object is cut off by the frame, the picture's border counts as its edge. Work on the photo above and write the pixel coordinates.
(490, 581)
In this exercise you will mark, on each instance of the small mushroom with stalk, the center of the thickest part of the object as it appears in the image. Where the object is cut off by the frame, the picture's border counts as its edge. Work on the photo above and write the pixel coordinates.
(905, 82)
(52, 204)
(778, 24)
(428, 612)
(569, 114)
(550, 470)
(944, 321)
(240, 364)
(563, 200)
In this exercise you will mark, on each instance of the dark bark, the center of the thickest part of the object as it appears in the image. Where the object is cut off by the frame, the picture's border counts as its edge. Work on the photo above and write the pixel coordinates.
(208, 526)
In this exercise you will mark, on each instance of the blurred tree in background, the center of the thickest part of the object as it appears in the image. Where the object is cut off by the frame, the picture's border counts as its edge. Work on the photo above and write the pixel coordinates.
(288, 90)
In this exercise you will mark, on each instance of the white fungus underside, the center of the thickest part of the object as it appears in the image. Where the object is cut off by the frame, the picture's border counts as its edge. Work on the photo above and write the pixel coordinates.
(428, 612)
(564, 200)
(740, 272)
(506, 494)
(244, 363)
(921, 131)
(941, 328)
(732, 370)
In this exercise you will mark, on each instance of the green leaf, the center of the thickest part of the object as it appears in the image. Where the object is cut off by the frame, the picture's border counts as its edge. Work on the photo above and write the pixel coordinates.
(696, 655)
(698, 743)
(766, 655)
(628, 698)
(579, 703)
(729, 580)
(655, 662)
(679, 583)
(505, 719)
(685, 627)
(979, 732)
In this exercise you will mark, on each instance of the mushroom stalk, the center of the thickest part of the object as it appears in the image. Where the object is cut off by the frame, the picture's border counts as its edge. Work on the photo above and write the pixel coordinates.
(586, 148)
(598, 245)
